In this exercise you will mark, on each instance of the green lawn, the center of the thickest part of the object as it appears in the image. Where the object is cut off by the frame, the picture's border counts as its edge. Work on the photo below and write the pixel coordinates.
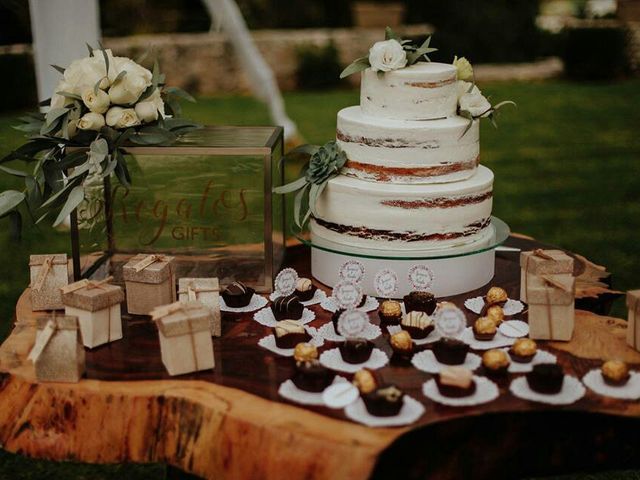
(567, 165)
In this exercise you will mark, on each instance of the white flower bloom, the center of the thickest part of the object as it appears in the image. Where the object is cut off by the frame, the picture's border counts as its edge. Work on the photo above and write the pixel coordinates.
(464, 68)
(470, 99)
(60, 101)
(85, 73)
(91, 121)
(387, 55)
(118, 117)
(97, 102)
(148, 109)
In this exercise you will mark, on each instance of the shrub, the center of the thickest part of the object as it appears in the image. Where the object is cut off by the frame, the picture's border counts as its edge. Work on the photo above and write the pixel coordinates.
(318, 67)
(595, 53)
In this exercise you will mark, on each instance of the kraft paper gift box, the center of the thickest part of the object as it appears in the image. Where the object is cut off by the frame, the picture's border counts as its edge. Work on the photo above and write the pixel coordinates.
(206, 291)
(48, 274)
(149, 282)
(97, 306)
(551, 306)
(542, 262)
(185, 337)
(58, 354)
(633, 325)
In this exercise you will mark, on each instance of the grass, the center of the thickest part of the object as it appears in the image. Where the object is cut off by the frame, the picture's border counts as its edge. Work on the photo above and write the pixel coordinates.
(566, 163)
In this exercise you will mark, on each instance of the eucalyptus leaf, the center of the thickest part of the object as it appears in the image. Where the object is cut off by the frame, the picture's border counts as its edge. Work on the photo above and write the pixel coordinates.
(70, 95)
(356, 66)
(106, 58)
(297, 205)
(111, 166)
(54, 114)
(153, 136)
(12, 171)
(90, 49)
(76, 196)
(120, 76)
(9, 200)
(291, 187)
(79, 170)
(58, 68)
(178, 92)
(503, 103)
(390, 34)
(99, 147)
(73, 159)
(60, 193)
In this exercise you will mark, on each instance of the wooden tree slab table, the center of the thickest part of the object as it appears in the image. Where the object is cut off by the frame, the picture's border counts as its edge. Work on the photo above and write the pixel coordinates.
(230, 422)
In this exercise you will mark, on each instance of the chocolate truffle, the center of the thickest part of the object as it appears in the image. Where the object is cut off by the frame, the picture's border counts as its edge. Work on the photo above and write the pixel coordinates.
(288, 333)
(495, 362)
(450, 351)
(402, 347)
(523, 350)
(287, 308)
(365, 380)
(355, 351)
(495, 313)
(418, 324)
(455, 382)
(237, 295)
(496, 295)
(484, 329)
(546, 378)
(305, 352)
(384, 402)
(305, 289)
(420, 302)
(390, 312)
(312, 376)
(615, 373)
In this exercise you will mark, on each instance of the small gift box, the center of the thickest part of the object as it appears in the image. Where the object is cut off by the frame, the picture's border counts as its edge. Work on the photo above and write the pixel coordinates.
(48, 274)
(551, 306)
(184, 329)
(542, 262)
(97, 306)
(207, 292)
(149, 282)
(58, 354)
(633, 326)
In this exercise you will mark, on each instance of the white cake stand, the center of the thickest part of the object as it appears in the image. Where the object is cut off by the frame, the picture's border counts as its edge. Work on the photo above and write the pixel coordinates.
(454, 270)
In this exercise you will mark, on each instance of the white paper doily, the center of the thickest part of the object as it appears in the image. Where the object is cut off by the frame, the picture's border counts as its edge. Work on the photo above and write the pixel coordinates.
(269, 342)
(540, 357)
(511, 307)
(427, 362)
(498, 341)
(328, 332)
(265, 317)
(628, 391)
(434, 336)
(256, 303)
(292, 393)
(514, 328)
(370, 304)
(333, 359)
(410, 412)
(486, 391)
(318, 297)
(572, 391)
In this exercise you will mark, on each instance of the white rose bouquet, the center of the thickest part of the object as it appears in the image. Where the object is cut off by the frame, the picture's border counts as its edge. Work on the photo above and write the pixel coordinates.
(391, 54)
(101, 103)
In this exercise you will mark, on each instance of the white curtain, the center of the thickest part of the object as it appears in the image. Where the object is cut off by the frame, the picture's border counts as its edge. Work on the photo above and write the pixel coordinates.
(226, 15)
(61, 29)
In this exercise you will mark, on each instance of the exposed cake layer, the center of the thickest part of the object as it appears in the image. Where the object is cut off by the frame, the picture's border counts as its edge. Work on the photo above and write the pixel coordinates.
(407, 151)
(423, 91)
(404, 217)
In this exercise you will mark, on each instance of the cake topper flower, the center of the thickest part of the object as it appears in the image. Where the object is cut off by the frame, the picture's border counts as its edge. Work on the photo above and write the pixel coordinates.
(325, 162)
(101, 103)
(391, 54)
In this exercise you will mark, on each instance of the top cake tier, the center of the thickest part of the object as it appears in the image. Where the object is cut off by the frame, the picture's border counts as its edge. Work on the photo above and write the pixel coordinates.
(423, 91)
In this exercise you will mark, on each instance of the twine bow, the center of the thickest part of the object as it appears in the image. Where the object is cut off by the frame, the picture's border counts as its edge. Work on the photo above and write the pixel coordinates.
(192, 291)
(149, 260)
(44, 271)
(160, 312)
(50, 328)
(89, 285)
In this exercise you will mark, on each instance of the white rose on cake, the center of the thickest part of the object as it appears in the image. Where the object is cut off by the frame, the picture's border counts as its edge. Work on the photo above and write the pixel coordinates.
(470, 99)
(386, 56)
(150, 107)
(118, 117)
(96, 101)
(463, 67)
(91, 121)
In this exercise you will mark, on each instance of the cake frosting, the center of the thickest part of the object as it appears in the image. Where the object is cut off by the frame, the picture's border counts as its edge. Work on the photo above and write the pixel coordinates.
(405, 151)
(423, 91)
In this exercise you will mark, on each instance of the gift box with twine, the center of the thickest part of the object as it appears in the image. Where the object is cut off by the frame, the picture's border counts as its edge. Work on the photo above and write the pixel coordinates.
(149, 282)
(206, 291)
(184, 329)
(48, 274)
(633, 325)
(97, 306)
(542, 262)
(551, 306)
(58, 354)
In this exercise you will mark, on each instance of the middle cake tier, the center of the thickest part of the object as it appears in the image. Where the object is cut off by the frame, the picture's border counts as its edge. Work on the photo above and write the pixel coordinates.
(388, 216)
(407, 151)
